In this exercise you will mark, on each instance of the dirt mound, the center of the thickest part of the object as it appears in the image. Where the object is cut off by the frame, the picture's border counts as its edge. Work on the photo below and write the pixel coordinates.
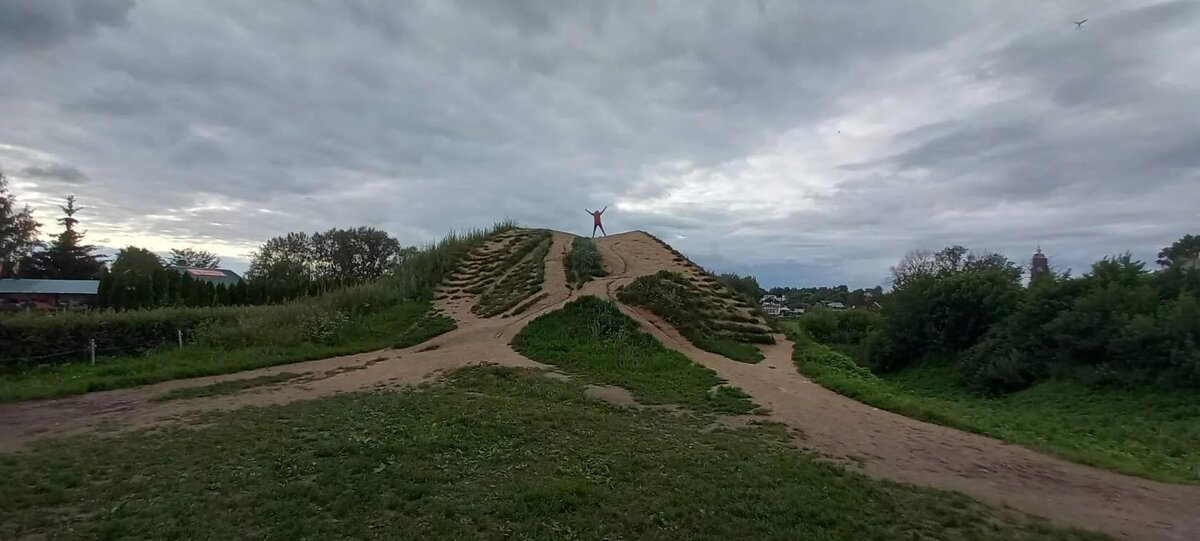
(501, 280)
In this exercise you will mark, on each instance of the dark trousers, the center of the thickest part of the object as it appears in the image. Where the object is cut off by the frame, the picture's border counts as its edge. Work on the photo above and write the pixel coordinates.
(601, 230)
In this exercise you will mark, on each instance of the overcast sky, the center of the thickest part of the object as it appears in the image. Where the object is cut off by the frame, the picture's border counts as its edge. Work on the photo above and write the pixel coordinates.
(806, 142)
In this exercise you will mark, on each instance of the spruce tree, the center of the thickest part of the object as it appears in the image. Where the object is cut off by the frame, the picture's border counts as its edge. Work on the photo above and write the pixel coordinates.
(67, 257)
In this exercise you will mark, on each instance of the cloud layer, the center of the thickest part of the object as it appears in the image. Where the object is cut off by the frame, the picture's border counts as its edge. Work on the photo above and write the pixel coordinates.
(805, 142)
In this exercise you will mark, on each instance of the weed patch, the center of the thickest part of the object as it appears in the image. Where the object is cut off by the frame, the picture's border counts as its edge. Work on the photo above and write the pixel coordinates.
(225, 387)
(430, 325)
(583, 262)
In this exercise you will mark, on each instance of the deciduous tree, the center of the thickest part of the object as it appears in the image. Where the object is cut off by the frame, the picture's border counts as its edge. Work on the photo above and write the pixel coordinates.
(191, 257)
(18, 231)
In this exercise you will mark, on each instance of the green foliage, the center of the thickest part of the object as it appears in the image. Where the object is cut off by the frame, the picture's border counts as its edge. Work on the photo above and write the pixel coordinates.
(808, 297)
(432, 324)
(675, 299)
(497, 453)
(839, 326)
(191, 257)
(942, 303)
(324, 327)
(231, 386)
(745, 286)
(67, 257)
(18, 230)
(65, 336)
(592, 337)
(1117, 325)
(134, 260)
(1184, 251)
(583, 262)
(1139, 431)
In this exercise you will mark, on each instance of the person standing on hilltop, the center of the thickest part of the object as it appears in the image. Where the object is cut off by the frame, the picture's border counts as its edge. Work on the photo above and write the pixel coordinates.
(596, 221)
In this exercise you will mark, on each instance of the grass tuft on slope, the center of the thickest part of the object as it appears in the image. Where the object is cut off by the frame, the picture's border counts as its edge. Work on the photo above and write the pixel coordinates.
(592, 337)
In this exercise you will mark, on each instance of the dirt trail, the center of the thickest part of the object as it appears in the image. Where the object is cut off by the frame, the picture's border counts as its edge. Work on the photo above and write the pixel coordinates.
(880, 443)
(892, 446)
(475, 341)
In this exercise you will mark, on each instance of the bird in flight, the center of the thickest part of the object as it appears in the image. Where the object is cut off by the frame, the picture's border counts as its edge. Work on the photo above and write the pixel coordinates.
(1079, 24)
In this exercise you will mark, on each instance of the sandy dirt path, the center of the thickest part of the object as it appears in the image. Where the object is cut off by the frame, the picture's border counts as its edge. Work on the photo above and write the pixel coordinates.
(475, 341)
(876, 442)
(884, 444)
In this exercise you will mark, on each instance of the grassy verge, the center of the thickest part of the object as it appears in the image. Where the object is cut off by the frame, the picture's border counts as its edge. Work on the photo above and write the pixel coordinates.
(593, 338)
(1149, 434)
(583, 262)
(373, 331)
(701, 319)
(494, 454)
(225, 387)
(430, 325)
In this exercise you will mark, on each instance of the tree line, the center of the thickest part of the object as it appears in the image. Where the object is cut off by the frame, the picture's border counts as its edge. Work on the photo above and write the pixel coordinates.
(1119, 323)
(807, 297)
(67, 256)
(283, 268)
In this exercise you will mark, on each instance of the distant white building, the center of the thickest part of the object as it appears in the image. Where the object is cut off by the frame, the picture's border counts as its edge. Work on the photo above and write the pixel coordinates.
(776, 305)
(834, 305)
(772, 299)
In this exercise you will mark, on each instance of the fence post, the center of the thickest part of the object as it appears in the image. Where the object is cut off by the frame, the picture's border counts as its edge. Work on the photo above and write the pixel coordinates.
(180, 336)
(92, 349)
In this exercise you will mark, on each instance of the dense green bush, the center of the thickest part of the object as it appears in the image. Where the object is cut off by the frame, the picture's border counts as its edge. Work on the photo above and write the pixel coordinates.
(943, 312)
(583, 262)
(1118, 324)
(745, 286)
(65, 336)
(839, 326)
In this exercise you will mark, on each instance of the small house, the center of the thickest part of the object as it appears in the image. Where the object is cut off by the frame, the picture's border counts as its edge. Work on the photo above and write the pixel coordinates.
(772, 299)
(834, 305)
(16, 293)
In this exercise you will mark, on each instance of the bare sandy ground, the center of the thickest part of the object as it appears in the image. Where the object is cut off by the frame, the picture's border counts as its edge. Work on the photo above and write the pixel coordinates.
(877, 442)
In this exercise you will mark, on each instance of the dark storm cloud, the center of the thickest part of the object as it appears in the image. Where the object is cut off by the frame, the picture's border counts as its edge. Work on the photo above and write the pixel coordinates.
(42, 23)
(56, 172)
(812, 141)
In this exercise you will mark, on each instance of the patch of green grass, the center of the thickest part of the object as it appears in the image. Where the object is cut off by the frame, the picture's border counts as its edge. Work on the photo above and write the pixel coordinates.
(682, 304)
(592, 337)
(430, 325)
(225, 387)
(1153, 434)
(496, 453)
(727, 347)
(583, 262)
(376, 330)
